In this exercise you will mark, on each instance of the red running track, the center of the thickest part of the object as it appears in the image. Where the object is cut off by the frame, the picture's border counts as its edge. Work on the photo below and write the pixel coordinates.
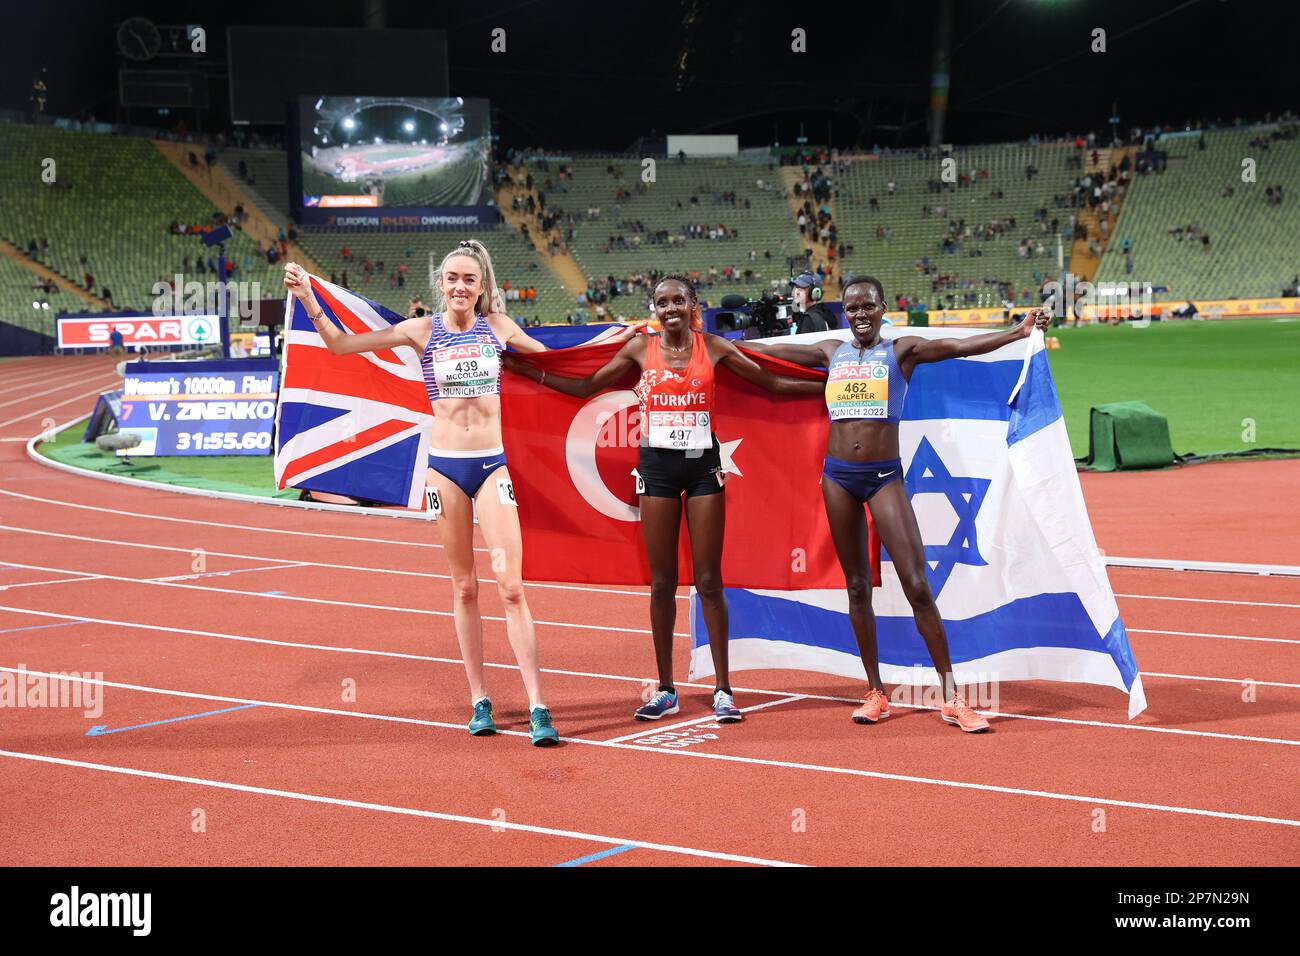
(335, 707)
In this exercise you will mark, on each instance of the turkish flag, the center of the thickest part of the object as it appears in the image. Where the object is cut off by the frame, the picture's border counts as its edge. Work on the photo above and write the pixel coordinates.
(572, 459)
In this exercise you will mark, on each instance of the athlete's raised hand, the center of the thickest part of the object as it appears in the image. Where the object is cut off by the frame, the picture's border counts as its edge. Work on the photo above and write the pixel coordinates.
(1034, 319)
(297, 281)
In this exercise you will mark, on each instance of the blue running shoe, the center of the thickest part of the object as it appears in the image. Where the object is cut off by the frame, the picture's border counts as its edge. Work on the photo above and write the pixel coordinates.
(662, 704)
(482, 723)
(543, 731)
(725, 709)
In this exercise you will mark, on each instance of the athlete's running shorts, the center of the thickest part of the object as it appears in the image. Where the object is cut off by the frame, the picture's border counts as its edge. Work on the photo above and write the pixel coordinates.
(667, 472)
(862, 479)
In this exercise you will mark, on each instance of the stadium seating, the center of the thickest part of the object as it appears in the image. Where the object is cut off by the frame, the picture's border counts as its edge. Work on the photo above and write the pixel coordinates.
(916, 235)
(766, 227)
(111, 205)
(514, 261)
(115, 196)
(270, 175)
(17, 293)
(1252, 243)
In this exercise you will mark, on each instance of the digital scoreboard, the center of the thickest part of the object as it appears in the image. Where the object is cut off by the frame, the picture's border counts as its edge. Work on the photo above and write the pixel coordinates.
(200, 408)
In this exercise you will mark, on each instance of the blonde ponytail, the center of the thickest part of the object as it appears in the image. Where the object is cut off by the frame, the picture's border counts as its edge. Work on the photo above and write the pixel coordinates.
(490, 299)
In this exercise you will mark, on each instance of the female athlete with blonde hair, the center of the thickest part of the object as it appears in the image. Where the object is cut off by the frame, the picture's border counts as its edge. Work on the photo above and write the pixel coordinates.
(460, 349)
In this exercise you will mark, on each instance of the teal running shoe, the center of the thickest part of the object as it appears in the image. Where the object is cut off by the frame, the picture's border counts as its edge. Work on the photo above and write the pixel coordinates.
(482, 724)
(543, 731)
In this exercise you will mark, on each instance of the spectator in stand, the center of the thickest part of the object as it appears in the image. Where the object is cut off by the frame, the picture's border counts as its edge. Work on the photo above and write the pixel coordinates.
(90, 282)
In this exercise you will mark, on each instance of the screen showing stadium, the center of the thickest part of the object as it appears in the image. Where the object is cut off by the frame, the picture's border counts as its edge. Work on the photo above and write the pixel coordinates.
(390, 160)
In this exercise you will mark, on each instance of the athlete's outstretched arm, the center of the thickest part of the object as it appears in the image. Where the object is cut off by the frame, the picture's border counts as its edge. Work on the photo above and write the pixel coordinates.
(744, 366)
(626, 359)
(509, 332)
(809, 354)
(337, 341)
(912, 350)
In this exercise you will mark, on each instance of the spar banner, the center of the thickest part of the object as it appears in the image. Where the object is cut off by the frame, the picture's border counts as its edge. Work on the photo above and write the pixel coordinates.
(151, 330)
(572, 462)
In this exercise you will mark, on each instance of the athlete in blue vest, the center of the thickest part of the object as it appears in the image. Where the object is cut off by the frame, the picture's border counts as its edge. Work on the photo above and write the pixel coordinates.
(867, 379)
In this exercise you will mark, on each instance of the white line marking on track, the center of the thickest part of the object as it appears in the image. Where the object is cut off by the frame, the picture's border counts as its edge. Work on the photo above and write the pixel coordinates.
(660, 729)
(1224, 680)
(37, 584)
(326, 601)
(1196, 600)
(40, 411)
(122, 513)
(729, 758)
(216, 574)
(1226, 637)
(56, 388)
(320, 564)
(401, 655)
(493, 823)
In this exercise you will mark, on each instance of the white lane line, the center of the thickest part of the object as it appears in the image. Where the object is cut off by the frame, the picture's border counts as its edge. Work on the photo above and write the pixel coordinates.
(37, 584)
(701, 720)
(194, 575)
(494, 823)
(317, 564)
(41, 411)
(89, 576)
(401, 655)
(728, 758)
(122, 513)
(1224, 680)
(1197, 600)
(1226, 637)
(28, 397)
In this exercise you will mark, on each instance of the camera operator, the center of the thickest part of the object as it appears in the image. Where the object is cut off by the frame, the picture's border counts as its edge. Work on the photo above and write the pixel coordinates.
(809, 313)
(417, 309)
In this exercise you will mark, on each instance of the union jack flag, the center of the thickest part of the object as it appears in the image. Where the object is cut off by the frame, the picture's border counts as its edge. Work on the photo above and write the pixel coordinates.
(355, 425)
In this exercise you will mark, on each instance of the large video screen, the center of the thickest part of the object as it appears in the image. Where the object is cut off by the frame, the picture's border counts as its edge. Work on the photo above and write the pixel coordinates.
(391, 160)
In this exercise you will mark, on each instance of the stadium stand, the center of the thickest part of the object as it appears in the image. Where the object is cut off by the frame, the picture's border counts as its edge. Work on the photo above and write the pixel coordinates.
(515, 262)
(1251, 240)
(95, 222)
(616, 227)
(264, 176)
(19, 288)
(993, 185)
(646, 229)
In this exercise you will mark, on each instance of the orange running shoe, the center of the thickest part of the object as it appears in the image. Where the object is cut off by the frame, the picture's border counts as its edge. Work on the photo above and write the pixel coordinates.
(874, 708)
(960, 713)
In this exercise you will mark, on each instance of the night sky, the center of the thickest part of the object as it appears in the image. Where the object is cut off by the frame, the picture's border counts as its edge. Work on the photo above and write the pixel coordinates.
(596, 76)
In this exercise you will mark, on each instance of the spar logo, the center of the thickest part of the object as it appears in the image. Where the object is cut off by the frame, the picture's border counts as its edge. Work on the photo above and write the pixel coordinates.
(879, 371)
(201, 330)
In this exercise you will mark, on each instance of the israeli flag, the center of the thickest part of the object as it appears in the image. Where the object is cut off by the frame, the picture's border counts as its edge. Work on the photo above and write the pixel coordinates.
(1010, 553)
